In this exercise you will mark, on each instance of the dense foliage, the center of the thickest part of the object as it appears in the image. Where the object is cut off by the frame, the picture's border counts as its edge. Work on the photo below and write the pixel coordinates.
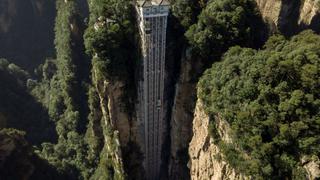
(187, 11)
(271, 100)
(110, 38)
(18, 109)
(82, 144)
(18, 160)
(269, 97)
(62, 93)
(223, 23)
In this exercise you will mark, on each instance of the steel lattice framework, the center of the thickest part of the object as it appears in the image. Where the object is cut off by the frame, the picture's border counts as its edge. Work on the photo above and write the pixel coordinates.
(152, 18)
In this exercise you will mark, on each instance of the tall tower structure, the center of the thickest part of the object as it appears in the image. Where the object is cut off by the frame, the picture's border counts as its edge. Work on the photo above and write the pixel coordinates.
(152, 18)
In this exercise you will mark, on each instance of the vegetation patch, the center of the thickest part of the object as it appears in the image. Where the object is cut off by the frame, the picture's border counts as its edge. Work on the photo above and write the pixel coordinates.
(224, 23)
(271, 100)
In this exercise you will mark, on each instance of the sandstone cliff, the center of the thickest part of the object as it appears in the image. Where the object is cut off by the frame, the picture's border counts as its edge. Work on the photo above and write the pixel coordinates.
(102, 127)
(119, 128)
(206, 161)
(290, 17)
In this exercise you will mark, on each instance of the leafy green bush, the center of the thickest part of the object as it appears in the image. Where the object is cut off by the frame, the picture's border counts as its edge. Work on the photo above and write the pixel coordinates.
(223, 23)
(271, 98)
(187, 11)
(60, 91)
(18, 109)
(110, 37)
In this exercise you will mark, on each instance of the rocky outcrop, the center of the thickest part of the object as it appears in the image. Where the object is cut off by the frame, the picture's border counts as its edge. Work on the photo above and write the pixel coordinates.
(290, 17)
(270, 11)
(312, 166)
(206, 161)
(309, 11)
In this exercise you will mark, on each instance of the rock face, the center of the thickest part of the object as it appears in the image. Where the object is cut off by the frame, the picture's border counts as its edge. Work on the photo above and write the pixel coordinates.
(119, 118)
(312, 166)
(120, 128)
(309, 12)
(182, 116)
(108, 102)
(181, 124)
(290, 17)
(204, 162)
(270, 11)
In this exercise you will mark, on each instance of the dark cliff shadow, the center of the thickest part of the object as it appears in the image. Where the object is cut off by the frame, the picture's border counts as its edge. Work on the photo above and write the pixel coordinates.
(82, 63)
(315, 23)
(288, 17)
(175, 47)
(27, 31)
(133, 161)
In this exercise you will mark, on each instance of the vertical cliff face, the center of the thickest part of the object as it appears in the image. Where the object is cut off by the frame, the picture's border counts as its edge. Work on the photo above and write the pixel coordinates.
(181, 122)
(110, 135)
(120, 129)
(206, 161)
(119, 118)
(182, 114)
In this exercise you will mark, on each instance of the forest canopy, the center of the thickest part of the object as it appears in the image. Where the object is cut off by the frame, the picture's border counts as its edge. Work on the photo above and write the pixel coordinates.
(222, 24)
(271, 99)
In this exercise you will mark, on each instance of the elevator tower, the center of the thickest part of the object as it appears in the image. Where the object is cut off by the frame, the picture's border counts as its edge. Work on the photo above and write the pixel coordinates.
(152, 20)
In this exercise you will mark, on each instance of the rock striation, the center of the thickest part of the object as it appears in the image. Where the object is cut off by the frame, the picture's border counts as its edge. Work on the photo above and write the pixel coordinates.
(290, 17)
(205, 157)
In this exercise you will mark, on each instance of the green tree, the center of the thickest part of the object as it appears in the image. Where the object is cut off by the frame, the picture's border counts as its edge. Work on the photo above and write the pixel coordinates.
(223, 23)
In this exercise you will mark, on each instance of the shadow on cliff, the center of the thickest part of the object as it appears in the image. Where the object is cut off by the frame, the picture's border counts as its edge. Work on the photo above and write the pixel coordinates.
(315, 23)
(27, 31)
(288, 17)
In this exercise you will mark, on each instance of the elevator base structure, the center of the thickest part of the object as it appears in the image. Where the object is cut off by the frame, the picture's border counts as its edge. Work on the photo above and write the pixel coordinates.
(152, 19)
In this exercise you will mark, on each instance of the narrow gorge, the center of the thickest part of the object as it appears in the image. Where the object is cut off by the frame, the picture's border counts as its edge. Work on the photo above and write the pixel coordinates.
(236, 95)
